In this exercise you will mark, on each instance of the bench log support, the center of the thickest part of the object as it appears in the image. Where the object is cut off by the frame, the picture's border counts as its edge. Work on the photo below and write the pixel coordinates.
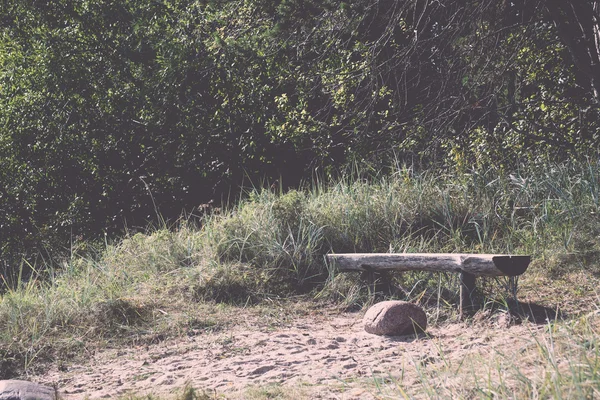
(467, 289)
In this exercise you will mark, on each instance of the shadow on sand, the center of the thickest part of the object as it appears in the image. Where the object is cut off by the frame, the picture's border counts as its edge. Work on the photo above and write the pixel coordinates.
(535, 313)
(522, 311)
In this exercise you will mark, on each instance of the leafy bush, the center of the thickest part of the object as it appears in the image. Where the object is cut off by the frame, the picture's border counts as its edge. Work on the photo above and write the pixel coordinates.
(113, 113)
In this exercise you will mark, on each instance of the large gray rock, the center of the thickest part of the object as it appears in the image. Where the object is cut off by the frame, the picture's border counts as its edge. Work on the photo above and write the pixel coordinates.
(23, 390)
(395, 318)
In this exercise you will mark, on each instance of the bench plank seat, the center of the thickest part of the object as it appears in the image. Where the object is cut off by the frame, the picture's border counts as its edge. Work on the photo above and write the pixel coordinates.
(475, 264)
(469, 266)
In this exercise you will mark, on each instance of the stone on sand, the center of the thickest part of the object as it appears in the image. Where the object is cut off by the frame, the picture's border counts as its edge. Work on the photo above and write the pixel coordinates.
(395, 318)
(24, 390)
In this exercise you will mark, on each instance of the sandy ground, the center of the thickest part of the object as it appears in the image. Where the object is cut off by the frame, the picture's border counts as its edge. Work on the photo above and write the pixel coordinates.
(321, 352)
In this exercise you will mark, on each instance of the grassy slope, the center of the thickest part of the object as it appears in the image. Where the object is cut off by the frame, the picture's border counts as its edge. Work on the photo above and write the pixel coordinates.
(165, 282)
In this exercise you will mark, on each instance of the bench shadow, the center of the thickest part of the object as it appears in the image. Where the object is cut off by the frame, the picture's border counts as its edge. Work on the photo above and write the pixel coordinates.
(535, 313)
(523, 311)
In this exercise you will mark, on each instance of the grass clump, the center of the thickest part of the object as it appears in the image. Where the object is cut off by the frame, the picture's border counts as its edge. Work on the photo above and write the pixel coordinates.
(269, 233)
(187, 393)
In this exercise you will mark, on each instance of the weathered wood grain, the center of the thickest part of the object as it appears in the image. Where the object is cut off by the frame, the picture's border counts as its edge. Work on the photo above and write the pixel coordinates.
(475, 264)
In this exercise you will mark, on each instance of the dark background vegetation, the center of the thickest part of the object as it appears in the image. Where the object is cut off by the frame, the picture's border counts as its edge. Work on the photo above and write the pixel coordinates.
(113, 110)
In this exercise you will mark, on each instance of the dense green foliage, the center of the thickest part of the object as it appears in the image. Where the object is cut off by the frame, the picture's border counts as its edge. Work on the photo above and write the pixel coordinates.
(112, 111)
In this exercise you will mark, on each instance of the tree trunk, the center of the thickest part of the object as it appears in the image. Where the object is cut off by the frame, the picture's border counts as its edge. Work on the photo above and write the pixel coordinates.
(578, 23)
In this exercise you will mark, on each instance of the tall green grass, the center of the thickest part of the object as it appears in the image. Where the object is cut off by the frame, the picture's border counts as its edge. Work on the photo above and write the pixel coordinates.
(272, 244)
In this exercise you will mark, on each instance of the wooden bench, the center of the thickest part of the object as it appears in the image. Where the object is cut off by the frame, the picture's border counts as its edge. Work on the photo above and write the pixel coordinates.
(469, 266)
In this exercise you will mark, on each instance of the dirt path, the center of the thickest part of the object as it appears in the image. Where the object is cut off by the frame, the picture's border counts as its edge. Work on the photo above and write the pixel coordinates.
(328, 353)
